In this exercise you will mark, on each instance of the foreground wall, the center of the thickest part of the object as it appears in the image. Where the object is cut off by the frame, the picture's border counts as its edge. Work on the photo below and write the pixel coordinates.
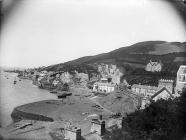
(18, 115)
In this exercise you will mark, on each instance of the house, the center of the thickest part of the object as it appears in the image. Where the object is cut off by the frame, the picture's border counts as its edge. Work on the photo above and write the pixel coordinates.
(164, 90)
(166, 83)
(144, 90)
(104, 86)
(43, 82)
(104, 80)
(55, 82)
(42, 73)
(66, 77)
(154, 66)
(163, 93)
(145, 102)
(148, 91)
(181, 79)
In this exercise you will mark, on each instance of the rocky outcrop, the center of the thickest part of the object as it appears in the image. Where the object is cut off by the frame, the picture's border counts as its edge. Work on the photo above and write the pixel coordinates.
(18, 115)
(110, 71)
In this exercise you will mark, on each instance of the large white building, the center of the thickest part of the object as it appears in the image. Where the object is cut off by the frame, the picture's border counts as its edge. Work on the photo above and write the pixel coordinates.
(154, 66)
(181, 79)
(104, 86)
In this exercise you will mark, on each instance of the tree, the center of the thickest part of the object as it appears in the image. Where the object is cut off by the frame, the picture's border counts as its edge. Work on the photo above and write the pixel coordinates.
(158, 121)
(181, 110)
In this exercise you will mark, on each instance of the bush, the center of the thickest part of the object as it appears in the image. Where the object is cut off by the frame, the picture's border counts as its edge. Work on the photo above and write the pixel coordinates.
(161, 120)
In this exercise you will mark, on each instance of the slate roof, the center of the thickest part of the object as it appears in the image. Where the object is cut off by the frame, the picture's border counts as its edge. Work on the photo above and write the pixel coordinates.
(160, 91)
(144, 87)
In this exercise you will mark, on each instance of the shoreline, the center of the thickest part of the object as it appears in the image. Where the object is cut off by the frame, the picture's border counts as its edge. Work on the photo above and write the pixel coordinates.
(78, 109)
(18, 115)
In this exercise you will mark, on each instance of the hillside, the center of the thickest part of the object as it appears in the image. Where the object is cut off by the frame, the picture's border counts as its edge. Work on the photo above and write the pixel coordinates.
(138, 53)
(132, 60)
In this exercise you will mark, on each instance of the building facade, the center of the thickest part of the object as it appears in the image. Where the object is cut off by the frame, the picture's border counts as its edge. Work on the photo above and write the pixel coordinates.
(166, 83)
(163, 93)
(164, 90)
(104, 86)
(181, 79)
(144, 90)
(154, 66)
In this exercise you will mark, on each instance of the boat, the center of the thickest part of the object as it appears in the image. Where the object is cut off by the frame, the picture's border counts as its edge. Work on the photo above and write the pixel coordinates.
(64, 94)
(15, 81)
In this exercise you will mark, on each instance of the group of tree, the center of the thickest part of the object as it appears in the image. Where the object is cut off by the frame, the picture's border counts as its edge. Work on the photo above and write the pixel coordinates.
(161, 120)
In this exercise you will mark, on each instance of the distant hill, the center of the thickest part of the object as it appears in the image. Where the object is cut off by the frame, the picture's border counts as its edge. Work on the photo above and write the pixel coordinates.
(137, 55)
(132, 60)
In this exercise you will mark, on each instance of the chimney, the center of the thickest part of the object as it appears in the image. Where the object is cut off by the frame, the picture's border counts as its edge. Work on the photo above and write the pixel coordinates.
(98, 126)
(100, 117)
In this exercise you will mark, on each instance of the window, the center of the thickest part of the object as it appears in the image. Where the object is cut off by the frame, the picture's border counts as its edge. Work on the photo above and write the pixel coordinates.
(181, 78)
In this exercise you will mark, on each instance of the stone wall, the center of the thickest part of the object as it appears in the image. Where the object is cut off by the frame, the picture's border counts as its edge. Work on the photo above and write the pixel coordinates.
(73, 133)
(98, 126)
(18, 115)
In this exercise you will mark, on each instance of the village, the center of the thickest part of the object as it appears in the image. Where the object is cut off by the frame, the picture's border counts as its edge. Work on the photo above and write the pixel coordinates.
(107, 81)
(89, 107)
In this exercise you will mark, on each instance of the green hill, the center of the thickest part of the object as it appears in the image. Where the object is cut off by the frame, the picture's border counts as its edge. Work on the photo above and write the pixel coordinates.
(139, 53)
(133, 59)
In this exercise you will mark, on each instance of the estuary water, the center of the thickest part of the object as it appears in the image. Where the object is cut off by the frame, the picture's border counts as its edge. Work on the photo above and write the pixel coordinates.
(13, 95)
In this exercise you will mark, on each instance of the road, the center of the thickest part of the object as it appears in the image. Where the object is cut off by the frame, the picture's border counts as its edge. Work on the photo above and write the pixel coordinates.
(96, 102)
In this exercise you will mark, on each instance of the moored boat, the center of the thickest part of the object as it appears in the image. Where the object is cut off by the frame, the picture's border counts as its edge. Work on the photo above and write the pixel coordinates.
(15, 81)
(64, 94)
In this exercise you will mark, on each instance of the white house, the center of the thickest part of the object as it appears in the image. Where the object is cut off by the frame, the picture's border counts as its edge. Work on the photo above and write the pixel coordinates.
(104, 80)
(103, 87)
(55, 82)
(144, 90)
(42, 73)
(154, 66)
(181, 78)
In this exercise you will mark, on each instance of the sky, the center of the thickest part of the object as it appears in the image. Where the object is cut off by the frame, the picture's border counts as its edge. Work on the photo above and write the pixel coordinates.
(46, 32)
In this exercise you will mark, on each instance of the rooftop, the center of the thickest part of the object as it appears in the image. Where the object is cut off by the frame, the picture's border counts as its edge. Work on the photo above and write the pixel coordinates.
(105, 84)
(144, 86)
(182, 69)
(160, 91)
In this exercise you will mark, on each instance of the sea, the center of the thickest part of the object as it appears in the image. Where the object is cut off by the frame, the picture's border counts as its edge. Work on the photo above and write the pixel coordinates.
(13, 95)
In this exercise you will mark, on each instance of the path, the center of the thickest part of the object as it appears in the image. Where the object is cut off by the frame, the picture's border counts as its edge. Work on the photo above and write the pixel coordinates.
(96, 102)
